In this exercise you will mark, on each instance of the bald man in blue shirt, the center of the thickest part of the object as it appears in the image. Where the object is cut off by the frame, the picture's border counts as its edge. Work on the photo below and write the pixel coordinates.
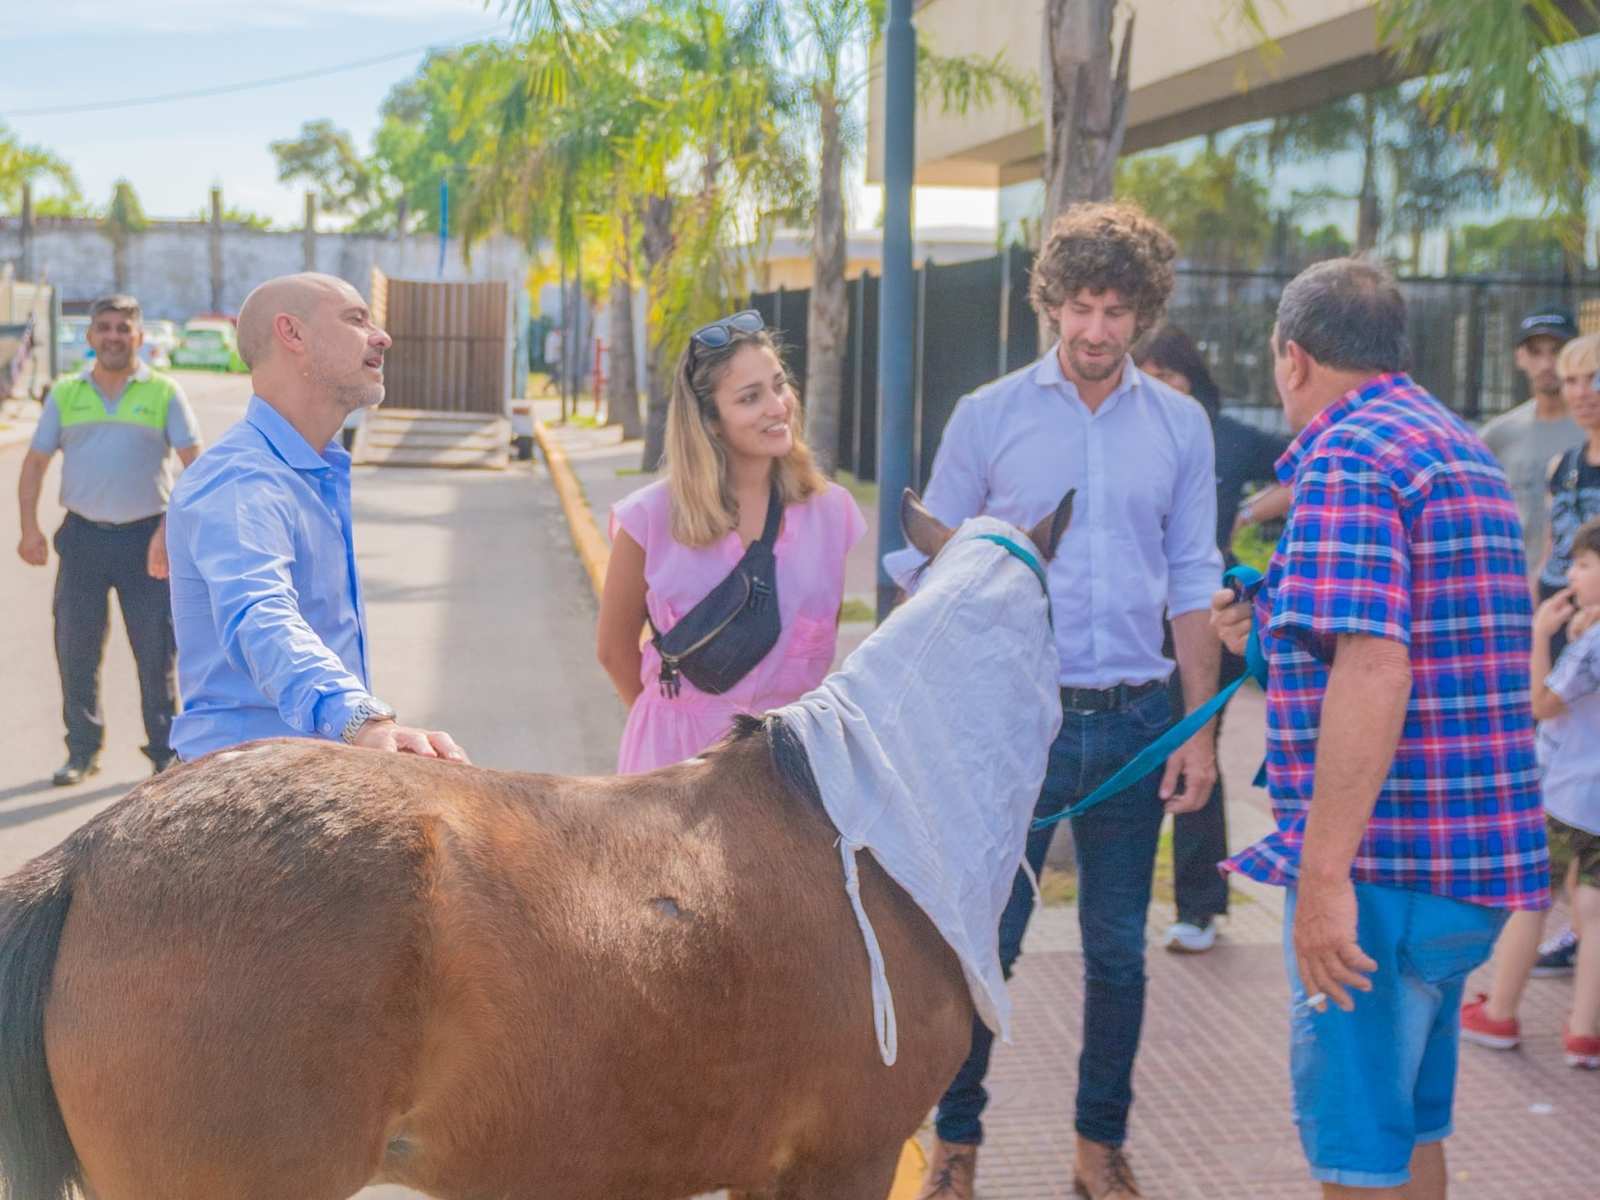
(266, 597)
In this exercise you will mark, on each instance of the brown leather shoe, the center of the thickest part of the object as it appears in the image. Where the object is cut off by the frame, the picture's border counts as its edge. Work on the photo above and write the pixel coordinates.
(1103, 1172)
(952, 1170)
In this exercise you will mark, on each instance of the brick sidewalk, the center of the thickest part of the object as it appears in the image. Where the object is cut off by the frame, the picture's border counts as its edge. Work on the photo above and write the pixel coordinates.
(1211, 1118)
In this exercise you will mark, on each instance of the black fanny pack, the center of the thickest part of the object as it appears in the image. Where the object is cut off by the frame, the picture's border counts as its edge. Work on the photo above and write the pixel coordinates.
(720, 639)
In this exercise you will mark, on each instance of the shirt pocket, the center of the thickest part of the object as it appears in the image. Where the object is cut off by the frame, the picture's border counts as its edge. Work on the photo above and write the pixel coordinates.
(807, 655)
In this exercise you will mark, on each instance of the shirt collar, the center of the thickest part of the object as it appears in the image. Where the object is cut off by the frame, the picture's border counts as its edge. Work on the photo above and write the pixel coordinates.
(285, 439)
(141, 373)
(1047, 373)
(1373, 389)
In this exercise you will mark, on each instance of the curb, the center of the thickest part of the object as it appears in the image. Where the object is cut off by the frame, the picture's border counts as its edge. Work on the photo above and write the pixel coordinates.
(587, 539)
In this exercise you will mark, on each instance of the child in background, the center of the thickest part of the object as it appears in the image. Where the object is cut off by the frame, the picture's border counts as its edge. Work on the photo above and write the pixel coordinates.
(1566, 701)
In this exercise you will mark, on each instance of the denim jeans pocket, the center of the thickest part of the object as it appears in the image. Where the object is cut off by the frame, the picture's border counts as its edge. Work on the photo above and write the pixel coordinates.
(1446, 940)
(1152, 713)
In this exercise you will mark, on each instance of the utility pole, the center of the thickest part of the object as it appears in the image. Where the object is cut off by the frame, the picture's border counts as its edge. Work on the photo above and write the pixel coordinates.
(897, 297)
(444, 220)
(215, 246)
(308, 235)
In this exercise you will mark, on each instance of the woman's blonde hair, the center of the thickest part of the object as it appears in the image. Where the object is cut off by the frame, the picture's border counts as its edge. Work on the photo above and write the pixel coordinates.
(1580, 356)
(703, 506)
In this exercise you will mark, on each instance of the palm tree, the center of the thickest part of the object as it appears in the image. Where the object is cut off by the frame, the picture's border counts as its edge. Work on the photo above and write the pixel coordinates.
(21, 164)
(1433, 178)
(1488, 79)
(1350, 125)
(642, 134)
(828, 47)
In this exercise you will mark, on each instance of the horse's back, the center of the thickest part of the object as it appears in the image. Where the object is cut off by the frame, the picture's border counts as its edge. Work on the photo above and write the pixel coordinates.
(299, 962)
(237, 983)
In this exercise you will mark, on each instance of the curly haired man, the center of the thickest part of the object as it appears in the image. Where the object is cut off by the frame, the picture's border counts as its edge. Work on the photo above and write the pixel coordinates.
(1142, 545)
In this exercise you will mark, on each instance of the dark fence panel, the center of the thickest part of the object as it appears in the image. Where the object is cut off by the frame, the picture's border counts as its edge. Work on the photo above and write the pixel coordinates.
(974, 324)
(859, 442)
(1020, 324)
(960, 338)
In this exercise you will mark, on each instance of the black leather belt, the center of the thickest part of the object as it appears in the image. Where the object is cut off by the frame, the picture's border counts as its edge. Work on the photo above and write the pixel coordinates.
(116, 526)
(1098, 700)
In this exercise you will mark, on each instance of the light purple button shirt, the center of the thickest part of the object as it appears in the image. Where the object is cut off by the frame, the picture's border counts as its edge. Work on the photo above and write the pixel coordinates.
(1143, 536)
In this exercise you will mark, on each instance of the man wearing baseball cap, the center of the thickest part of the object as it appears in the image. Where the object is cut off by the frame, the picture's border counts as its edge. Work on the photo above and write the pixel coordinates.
(1530, 435)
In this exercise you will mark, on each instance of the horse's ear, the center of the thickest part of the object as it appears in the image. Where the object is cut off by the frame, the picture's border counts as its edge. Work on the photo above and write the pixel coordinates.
(922, 529)
(1047, 533)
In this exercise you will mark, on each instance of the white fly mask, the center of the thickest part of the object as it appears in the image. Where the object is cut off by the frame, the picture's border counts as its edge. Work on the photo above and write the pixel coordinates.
(929, 748)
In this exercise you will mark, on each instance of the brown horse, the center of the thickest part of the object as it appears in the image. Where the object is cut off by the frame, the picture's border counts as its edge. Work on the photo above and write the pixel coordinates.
(294, 969)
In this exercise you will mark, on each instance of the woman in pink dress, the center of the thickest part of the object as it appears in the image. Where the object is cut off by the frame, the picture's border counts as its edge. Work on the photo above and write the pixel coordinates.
(733, 443)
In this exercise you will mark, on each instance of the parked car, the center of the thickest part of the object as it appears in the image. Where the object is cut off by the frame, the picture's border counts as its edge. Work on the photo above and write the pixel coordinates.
(161, 338)
(209, 344)
(75, 348)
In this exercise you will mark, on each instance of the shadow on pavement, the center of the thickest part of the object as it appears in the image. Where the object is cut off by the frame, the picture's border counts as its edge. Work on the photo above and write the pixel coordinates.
(70, 800)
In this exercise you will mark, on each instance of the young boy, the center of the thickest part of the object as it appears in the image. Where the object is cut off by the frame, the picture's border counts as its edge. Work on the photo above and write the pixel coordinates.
(1567, 702)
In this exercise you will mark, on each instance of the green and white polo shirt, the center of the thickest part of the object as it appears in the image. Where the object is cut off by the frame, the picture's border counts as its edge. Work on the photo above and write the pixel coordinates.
(116, 449)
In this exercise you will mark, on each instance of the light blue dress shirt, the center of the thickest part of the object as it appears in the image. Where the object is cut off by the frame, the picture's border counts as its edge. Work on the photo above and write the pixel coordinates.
(1144, 523)
(266, 600)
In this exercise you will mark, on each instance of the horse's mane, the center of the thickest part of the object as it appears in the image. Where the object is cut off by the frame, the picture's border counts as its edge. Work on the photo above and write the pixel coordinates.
(788, 754)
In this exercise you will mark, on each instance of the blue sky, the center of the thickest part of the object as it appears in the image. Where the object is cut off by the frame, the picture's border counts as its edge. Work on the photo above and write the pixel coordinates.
(82, 51)
(92, 51)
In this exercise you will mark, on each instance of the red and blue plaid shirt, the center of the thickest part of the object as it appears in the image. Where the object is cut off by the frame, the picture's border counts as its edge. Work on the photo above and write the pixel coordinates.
(1404, 527)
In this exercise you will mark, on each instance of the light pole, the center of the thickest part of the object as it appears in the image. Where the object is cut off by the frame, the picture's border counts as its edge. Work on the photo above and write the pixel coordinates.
(897, 296)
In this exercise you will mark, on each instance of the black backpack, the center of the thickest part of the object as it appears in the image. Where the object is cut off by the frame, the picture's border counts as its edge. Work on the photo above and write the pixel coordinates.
(722, 638)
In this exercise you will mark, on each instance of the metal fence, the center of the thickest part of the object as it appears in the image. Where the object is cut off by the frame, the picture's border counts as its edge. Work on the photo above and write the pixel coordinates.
(974, 324)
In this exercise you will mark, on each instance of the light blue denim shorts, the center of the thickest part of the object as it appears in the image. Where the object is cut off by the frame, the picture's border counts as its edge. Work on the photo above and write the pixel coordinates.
(1373, 1084)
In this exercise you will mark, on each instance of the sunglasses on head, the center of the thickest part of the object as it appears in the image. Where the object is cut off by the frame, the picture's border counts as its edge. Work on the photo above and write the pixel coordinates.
(719, 333)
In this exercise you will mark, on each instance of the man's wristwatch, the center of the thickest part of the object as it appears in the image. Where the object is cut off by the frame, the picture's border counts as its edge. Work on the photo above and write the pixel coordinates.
(364, 711)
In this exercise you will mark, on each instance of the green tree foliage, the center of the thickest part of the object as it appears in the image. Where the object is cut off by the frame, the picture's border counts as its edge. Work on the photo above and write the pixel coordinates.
(124, 217)
(20, 164)
(1489, 79)
(1213, 205)
(1313, 245)
(233, 215)
(125, 213)
(326, 157)
(1511, 245)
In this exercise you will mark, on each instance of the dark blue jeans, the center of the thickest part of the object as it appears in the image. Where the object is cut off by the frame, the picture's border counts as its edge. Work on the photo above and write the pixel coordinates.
(1115, 844)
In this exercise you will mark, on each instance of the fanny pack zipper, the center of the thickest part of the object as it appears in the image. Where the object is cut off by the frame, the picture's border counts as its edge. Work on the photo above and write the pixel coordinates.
(671, 684)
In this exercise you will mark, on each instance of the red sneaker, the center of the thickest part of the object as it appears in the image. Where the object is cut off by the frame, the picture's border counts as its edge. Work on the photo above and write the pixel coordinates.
(1582, 1052)
(1478, 1026)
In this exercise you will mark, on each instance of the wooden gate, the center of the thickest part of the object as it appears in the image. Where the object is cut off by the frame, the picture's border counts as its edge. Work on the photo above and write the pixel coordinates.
(450, 351)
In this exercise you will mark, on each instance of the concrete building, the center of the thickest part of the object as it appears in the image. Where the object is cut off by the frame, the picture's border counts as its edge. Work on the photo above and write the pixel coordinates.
(785, 261)
(1195, 69)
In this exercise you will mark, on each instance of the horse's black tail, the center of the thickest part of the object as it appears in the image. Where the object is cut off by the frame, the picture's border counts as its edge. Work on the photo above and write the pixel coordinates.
(37, 1161)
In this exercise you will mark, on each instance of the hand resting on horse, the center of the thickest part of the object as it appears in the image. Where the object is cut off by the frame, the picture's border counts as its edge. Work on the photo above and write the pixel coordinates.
(381, 733)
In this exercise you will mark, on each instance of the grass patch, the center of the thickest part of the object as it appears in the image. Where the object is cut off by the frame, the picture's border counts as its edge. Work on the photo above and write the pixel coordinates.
(585, 421)
(625, 472)
(1058, 887)
(856, 610)
(866, 494)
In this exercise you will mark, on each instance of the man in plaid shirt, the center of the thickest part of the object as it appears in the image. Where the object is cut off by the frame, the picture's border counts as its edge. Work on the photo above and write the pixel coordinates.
(1395, 620)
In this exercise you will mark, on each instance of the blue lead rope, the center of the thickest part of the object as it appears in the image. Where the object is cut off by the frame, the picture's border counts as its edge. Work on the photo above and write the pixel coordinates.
(1032, 563)
(1244, 581)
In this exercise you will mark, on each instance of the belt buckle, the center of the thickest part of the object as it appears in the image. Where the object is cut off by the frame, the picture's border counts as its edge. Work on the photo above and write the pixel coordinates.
(1079, 704)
